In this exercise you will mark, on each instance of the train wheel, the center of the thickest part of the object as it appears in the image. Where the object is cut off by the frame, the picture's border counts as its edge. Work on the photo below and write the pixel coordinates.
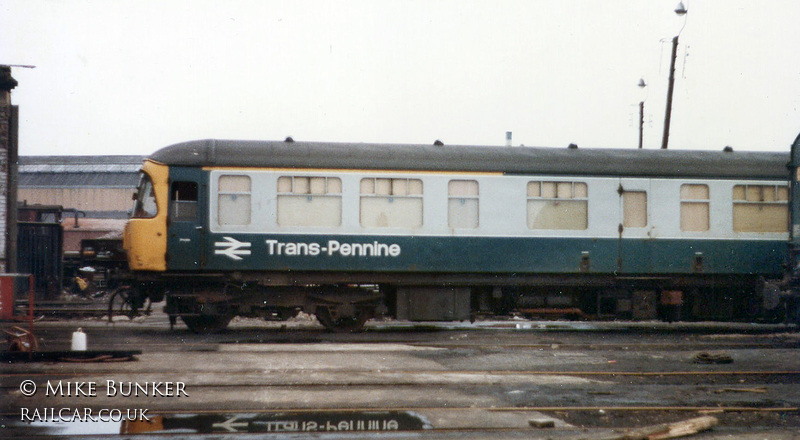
(342, 324)
(207, 323)
(125, 302)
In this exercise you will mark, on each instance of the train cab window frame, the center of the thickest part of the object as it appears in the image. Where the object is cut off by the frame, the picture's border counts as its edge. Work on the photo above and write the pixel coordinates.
(463, 204)
(760, 208)
(695, 212)
(183, 199)
(234, 200)
(557, 205)
(145, 203)
(391, 202)
(309, 201)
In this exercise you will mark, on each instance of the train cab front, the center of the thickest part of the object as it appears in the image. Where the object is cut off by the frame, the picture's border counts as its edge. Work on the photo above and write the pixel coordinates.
(145, 237)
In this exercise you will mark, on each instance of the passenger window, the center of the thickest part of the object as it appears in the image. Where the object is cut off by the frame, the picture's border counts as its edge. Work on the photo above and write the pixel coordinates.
(233, 200)
(309, 201)
(634, 209)
(760, 208)
(558, 205)
(695, 211)
(183, 201)
(462, 204)
(391, 203)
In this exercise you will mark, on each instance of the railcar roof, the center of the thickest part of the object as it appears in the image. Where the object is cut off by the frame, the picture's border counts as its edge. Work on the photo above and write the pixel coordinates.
(512, 160)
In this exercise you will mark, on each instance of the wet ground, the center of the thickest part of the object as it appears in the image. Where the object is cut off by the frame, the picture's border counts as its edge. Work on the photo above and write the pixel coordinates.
(492, 379)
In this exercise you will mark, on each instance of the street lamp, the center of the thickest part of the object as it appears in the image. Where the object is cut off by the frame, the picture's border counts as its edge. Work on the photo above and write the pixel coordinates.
(681, 11)
(642, 85)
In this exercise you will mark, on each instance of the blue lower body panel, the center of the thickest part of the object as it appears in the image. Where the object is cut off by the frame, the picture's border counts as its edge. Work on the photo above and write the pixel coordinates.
(520, 255)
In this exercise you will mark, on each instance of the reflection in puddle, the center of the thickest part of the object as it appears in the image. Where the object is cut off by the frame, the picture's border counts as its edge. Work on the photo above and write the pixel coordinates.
(18, 428)
(305, 421)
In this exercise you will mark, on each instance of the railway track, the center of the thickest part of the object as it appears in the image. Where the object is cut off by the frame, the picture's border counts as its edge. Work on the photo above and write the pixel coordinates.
(220, 348)
(66, 309)
(451, 383)
(506, 373)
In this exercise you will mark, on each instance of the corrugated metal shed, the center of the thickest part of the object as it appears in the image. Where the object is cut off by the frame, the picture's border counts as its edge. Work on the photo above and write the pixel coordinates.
(98, 186)
(79, 171)
(73, 179)
(101, 162)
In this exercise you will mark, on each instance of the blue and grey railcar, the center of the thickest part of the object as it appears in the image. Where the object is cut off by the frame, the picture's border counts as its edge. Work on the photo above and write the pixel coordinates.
(434, 232)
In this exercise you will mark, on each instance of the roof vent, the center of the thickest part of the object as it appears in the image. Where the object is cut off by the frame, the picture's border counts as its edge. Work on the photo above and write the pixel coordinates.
(438, 143)
(288, 139)
(728, 149)
(573, 146)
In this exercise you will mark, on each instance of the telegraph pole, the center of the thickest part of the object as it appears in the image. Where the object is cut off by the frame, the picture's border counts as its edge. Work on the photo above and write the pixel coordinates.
(681, 11)
(670, 89)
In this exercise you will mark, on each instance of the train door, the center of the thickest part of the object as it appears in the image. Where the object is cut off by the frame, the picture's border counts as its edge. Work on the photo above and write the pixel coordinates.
(186, 229)
(634, 251)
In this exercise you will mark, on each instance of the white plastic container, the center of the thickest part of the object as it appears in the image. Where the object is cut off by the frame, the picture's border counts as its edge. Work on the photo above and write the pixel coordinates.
(78, 340)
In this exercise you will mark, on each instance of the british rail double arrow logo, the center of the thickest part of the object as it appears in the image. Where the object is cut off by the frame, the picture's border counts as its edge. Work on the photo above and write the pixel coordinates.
(232, 248)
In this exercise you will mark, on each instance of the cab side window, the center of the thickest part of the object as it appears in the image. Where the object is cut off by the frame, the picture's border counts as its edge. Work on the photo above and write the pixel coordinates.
(183, 201)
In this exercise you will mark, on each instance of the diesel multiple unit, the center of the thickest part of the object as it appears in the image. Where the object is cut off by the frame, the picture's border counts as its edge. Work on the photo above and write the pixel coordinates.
(435, 232)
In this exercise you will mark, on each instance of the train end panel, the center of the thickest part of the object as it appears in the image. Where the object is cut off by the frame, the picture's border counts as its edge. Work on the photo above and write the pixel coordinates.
(794, 179)
(791, 296)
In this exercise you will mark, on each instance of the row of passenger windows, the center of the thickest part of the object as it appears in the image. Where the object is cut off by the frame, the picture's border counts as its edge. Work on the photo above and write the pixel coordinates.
(304, 201)
(756, 208)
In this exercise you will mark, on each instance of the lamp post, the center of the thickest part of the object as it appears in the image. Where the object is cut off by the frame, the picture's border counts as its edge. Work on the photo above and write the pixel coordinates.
(681, 11)
(641, 86)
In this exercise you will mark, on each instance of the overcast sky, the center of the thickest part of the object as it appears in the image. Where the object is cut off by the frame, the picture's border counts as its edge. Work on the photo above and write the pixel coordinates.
(129, 77)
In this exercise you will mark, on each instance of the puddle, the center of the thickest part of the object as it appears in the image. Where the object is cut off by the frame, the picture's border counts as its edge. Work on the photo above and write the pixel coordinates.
(275, 422)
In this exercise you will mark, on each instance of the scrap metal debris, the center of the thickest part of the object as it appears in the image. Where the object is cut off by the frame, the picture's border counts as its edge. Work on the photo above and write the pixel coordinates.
(741, 390)
(71, 356)
(542, 422)
(21, 340)
(712, 358)
(668, 430)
